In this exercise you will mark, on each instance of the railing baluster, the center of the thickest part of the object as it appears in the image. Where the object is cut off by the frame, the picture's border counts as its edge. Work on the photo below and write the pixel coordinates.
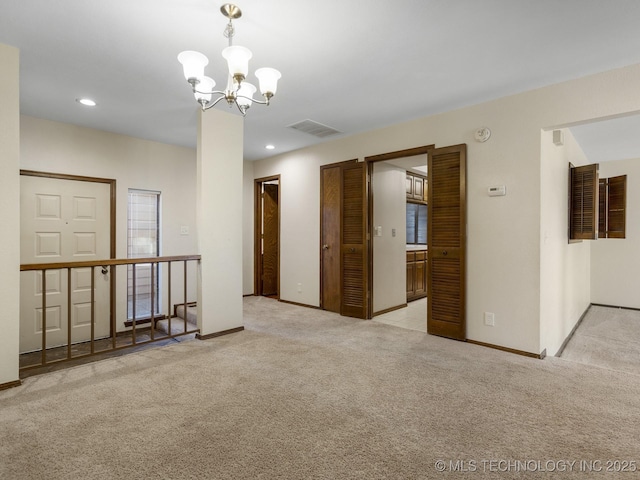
(133, 308)
(112, 313)
(44, 317)
(169, 299)
(153, 306)
(69, 313)
(93, 308)
(185, 296)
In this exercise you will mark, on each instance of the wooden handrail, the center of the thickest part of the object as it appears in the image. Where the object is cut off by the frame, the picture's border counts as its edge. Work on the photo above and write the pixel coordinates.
(104, 263)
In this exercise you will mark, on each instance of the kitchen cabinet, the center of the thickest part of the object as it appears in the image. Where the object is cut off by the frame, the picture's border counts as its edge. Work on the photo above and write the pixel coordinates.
(417, 187)
(416, 274)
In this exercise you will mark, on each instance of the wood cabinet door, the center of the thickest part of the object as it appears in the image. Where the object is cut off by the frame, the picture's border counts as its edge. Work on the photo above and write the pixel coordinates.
(409, 186)
(418, 188)
(421, 278)
(411, 268)
(447, 242)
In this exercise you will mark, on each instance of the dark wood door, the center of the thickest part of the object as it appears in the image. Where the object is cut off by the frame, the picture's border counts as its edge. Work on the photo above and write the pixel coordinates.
(270, 240)
(353, 248)
(330, 246)
(447, 242)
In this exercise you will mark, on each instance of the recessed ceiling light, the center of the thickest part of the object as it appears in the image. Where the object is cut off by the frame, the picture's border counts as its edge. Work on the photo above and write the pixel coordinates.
(87, 102)
(269, 147)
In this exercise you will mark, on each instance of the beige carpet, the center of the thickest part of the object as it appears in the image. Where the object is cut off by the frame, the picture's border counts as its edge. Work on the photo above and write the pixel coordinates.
(305, 394)
(609, 338)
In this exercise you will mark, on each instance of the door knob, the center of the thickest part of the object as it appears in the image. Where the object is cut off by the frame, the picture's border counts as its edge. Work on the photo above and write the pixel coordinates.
(105, 270)
(325, 247)
(444, 252)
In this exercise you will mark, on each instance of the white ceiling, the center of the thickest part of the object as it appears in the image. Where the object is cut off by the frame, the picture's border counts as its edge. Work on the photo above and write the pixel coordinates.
(353, 65)
(606, 140)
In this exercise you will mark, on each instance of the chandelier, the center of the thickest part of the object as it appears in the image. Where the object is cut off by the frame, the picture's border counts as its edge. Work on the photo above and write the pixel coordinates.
(237, 91)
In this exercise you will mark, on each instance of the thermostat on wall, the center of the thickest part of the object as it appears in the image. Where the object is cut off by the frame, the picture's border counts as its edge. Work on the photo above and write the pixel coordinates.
(499, 191)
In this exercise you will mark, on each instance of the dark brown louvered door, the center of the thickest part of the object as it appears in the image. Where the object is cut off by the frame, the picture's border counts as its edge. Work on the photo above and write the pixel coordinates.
(447, 242)
(602, 208)
(353, 266)
(270, 240)
(584, 203)
(616, 206)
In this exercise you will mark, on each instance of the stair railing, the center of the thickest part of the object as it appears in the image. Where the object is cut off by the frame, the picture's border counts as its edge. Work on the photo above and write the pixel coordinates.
(112, 344)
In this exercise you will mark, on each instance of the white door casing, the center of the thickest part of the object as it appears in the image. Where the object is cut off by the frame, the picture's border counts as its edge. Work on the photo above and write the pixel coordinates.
(63, 221)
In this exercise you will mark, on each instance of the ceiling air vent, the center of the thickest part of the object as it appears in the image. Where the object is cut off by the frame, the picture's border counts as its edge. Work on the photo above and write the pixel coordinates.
(314, 128)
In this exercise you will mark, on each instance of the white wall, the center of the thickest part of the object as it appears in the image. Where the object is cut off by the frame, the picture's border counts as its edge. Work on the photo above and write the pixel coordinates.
(10, 215)
(615, 262)
(504, 235)
(389, 253)
(247, 229)
(564, 267)
(134, 163)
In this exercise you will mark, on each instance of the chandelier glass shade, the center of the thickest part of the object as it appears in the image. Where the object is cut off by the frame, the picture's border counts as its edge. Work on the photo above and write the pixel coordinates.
(238, 91)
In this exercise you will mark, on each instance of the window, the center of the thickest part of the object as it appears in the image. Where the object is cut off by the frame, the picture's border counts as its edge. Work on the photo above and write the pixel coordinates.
(416, 224)
(143, 241)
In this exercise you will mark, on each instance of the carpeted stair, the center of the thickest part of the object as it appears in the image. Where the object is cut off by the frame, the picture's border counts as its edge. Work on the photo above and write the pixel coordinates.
(177, 322)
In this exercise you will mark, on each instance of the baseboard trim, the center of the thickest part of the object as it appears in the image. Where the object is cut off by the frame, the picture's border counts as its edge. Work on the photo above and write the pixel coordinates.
(6, 386)
(298, 304)
(387, 310)
(615, 306)
(219, 334)
(573, 330)
(538, 356)
(248, 295)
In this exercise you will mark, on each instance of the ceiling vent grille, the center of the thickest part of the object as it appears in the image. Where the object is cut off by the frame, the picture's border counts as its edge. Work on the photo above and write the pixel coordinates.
(314, 128)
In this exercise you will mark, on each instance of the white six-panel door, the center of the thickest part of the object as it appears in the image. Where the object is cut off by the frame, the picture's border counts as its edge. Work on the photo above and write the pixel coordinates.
(63, 221)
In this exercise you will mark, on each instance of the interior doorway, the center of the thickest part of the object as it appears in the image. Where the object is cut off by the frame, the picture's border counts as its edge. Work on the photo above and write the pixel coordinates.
(267, 236)
(394, 271)
(446, 238)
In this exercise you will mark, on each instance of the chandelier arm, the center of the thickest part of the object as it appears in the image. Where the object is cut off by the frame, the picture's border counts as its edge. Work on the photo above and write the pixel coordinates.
(211, 105)
(240, 108)
(212, 92)
(259, 102)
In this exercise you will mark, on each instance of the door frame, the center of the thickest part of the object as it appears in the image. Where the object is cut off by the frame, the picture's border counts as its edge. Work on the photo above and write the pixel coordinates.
(257, 231)
(410, 152)
(112, 225)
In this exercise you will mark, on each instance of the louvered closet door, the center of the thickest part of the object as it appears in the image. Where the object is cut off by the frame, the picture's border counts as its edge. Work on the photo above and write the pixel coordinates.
(353, 265)
(447, 242)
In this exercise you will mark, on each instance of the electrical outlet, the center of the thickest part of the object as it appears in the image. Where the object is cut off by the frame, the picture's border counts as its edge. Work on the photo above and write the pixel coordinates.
(489, 319)
(184, 230)
(299, 288)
